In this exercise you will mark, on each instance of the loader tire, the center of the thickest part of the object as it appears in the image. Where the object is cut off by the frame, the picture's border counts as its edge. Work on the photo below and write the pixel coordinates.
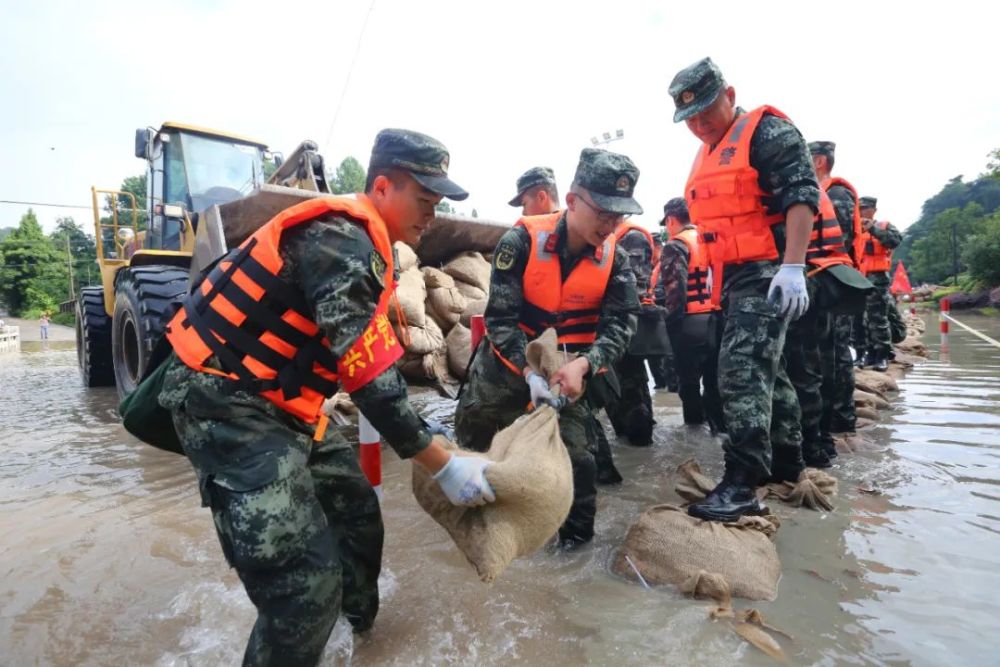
(93, 339)
(144, 298)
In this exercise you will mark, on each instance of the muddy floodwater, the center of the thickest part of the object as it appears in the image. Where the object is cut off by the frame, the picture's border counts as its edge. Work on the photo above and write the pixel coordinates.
(106, 557)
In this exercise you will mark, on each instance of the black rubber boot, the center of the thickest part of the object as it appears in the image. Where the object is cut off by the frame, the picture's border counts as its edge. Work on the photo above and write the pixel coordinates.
(861, 361)
(735, 496)
(880, 363)
(815, 457)
(786, 465)
(828, 445)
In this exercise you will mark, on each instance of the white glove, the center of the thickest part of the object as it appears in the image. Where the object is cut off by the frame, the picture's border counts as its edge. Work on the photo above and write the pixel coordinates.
(540, 392)
(463, 481)
(788, 290)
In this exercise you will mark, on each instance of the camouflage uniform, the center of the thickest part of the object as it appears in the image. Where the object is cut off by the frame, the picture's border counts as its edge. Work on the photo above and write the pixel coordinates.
(296, 517)
(494, 396)
(760, 407)
(696, 356)
(877, 337)
(632, 413)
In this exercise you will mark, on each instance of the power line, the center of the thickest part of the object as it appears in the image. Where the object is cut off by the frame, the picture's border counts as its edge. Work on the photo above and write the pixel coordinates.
(347, 81)
(42, 203)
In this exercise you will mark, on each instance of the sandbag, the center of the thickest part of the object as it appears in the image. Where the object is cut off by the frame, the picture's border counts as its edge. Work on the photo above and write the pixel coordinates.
(533, 481)
(868, 400)
(815, 490)
(436, 278)
(874, 382)
(459, 343)
(911, 345)
(866, 412)
(470, 292)
(667, 546)
(445, 305)
(473, 308)
(411, 294)
(406, 258)
(470, 268)
(425, 339)
(422, 367)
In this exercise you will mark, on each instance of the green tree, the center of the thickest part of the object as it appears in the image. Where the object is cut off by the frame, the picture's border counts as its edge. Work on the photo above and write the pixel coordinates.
(135, 185)
(5, 231)
(33, 273)
(350, 177)
(70, 237)
(934, 256)
(993, 166)
(444, 206)
(982, 252)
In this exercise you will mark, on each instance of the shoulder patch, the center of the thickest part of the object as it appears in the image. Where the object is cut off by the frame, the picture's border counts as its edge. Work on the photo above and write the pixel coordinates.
(504, 257)
(378, 267)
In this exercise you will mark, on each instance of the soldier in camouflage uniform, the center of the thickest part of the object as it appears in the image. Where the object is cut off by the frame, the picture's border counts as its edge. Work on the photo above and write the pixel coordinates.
(537, 194)
(500, 383)
(295, 516)
(758, 296)
(874, 344)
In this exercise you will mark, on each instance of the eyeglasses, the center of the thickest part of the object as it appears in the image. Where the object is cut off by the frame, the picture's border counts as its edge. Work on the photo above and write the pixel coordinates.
(607, 217)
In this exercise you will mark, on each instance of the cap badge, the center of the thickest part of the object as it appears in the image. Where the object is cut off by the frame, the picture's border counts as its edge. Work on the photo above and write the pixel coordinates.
(444, 164)
(623, 184)
(687, 97)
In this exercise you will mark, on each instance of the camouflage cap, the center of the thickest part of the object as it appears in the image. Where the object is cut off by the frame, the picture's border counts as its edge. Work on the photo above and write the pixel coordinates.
(610, 179)
(424, 157)
(695, 87)
(676, 208)
(827, 148)
(531, 178)
(867, 202)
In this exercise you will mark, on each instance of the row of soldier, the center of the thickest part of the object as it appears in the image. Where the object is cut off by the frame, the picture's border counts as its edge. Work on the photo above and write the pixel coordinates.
(764, 279)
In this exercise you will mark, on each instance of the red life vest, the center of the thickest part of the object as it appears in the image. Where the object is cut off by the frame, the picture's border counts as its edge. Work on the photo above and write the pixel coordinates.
(857, 245)
(624, 228)
(826, 241)
(571, 304)
(699, 299)
(260, 328)
(876, 258)
(725, 198)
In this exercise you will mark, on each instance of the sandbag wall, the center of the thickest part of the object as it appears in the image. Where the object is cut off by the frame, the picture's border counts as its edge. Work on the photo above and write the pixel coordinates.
(436, 305)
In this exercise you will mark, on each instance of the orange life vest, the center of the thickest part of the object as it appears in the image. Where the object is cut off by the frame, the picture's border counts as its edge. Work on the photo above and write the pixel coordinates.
(699, 299)
(876, 258)
(645, 297)
(826, 241)
(723, 195)
(260, 328)
(857, 245)
(572, 304)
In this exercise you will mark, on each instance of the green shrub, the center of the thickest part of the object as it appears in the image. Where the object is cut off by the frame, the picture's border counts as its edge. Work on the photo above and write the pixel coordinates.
(982, 254)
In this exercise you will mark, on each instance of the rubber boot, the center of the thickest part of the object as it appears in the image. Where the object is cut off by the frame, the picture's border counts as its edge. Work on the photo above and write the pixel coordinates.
(861, 361)
(879, 363)
(786, 464)
(735, 496)
(815, 456)
(607, 473)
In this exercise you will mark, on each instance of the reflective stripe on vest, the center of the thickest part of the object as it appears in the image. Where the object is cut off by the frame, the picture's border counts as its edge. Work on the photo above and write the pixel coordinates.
(571, 305)
(876, 258)
(259, 328)
(857, 244)
(698, 298)
(826, 241)
(724, 197)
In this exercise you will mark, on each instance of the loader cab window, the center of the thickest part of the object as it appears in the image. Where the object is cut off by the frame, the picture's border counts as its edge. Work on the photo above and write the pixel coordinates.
(219, 170)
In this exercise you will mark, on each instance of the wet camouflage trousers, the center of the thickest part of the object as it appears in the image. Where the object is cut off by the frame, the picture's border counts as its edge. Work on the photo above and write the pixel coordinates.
(632, 413)
(494, 396)
(759, 403)
(803, 362)
(871, 330)
(838, 376)
(695, 338)
(663, 369)
(296, 518)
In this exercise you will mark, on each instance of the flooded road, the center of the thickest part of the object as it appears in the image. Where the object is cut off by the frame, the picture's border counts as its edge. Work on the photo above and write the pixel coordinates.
(106, 557)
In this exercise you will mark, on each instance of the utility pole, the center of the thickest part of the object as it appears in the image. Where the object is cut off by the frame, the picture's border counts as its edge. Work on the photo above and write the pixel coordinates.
(954, 251)
(69, 255)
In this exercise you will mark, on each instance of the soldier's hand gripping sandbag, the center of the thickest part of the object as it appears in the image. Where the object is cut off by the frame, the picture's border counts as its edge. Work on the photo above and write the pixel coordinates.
(541, 394)
(463, 480)
(788, 289)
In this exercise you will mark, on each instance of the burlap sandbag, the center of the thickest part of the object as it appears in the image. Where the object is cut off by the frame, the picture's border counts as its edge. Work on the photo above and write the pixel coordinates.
(911, 345)
(533, 481)
(874, 382)
(425, 339)
(411, 294)
(407, 258)
(470, 268)
(473, 308)
(459, 343)
(868, 400)
(470, 292)
(667, 546)
(436, 278)
(445, 305)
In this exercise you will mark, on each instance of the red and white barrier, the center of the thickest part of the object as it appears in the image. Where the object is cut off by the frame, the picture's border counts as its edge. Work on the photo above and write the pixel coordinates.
(370, 453)
(945, 312)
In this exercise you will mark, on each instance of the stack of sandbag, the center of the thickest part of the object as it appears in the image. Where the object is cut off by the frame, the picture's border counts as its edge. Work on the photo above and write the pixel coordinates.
(533, 481)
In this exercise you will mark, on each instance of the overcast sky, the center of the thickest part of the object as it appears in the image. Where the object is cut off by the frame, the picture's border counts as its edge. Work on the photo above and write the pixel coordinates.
(907, 91)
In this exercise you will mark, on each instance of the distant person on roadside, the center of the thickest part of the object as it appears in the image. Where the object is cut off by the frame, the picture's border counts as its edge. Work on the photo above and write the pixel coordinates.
(43, 322)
